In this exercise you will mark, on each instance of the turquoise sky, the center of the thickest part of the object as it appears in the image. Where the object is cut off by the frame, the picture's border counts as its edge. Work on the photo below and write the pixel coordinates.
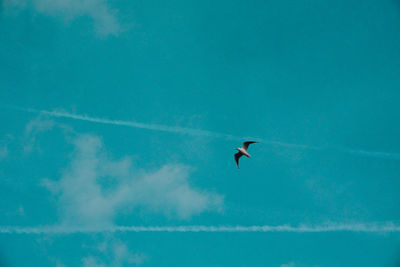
(127, 113)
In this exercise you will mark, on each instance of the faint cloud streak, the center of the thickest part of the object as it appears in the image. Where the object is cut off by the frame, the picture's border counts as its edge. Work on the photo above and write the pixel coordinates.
(3, 152)
(205, 133)
(104, 18)
(32, 129)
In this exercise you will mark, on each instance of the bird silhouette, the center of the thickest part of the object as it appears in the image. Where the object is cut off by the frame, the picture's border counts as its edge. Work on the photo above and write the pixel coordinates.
(243, 151)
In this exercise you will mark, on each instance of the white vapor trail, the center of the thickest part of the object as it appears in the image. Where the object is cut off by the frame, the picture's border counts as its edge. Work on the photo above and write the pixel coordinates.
(154, 127)
(205, 133)
(388, 227)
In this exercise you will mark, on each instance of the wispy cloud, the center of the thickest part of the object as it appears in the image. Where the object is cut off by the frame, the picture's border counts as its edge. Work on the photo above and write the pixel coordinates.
(206, 133)
(3, 152)
(104, 18)
(387, 227)
(296, 264)
(91, 261)
(117, 253)
(59, 264)
(4, 142)
(132, 124)
(84, 201)
(33, 129)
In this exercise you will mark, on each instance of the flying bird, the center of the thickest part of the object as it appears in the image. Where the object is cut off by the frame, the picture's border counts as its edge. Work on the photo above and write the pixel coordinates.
(243, 151)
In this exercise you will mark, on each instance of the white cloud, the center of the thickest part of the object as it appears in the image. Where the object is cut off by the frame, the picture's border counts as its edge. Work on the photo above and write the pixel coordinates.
(290, 264)
(92, 262)
(115, 254)
(104, 18)
(121, 255)
(59, 264)
(32, 129)
(84, 201)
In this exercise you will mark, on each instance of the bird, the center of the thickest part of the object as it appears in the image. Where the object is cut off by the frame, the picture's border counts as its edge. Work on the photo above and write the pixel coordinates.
(243, 151)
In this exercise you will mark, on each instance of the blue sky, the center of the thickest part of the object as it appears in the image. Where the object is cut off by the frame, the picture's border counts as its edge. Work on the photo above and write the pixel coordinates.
(127, 113)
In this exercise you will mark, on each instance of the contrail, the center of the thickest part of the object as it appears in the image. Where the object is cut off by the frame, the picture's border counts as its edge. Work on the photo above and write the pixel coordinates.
(154, 127)
(204, 133)
(388, 227)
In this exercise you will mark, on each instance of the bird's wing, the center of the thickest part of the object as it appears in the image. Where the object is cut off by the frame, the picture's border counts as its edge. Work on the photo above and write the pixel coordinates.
(237, 157)
(247, 143)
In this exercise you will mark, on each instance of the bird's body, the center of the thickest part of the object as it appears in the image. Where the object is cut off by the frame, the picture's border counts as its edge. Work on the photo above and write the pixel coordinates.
(243, 151)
